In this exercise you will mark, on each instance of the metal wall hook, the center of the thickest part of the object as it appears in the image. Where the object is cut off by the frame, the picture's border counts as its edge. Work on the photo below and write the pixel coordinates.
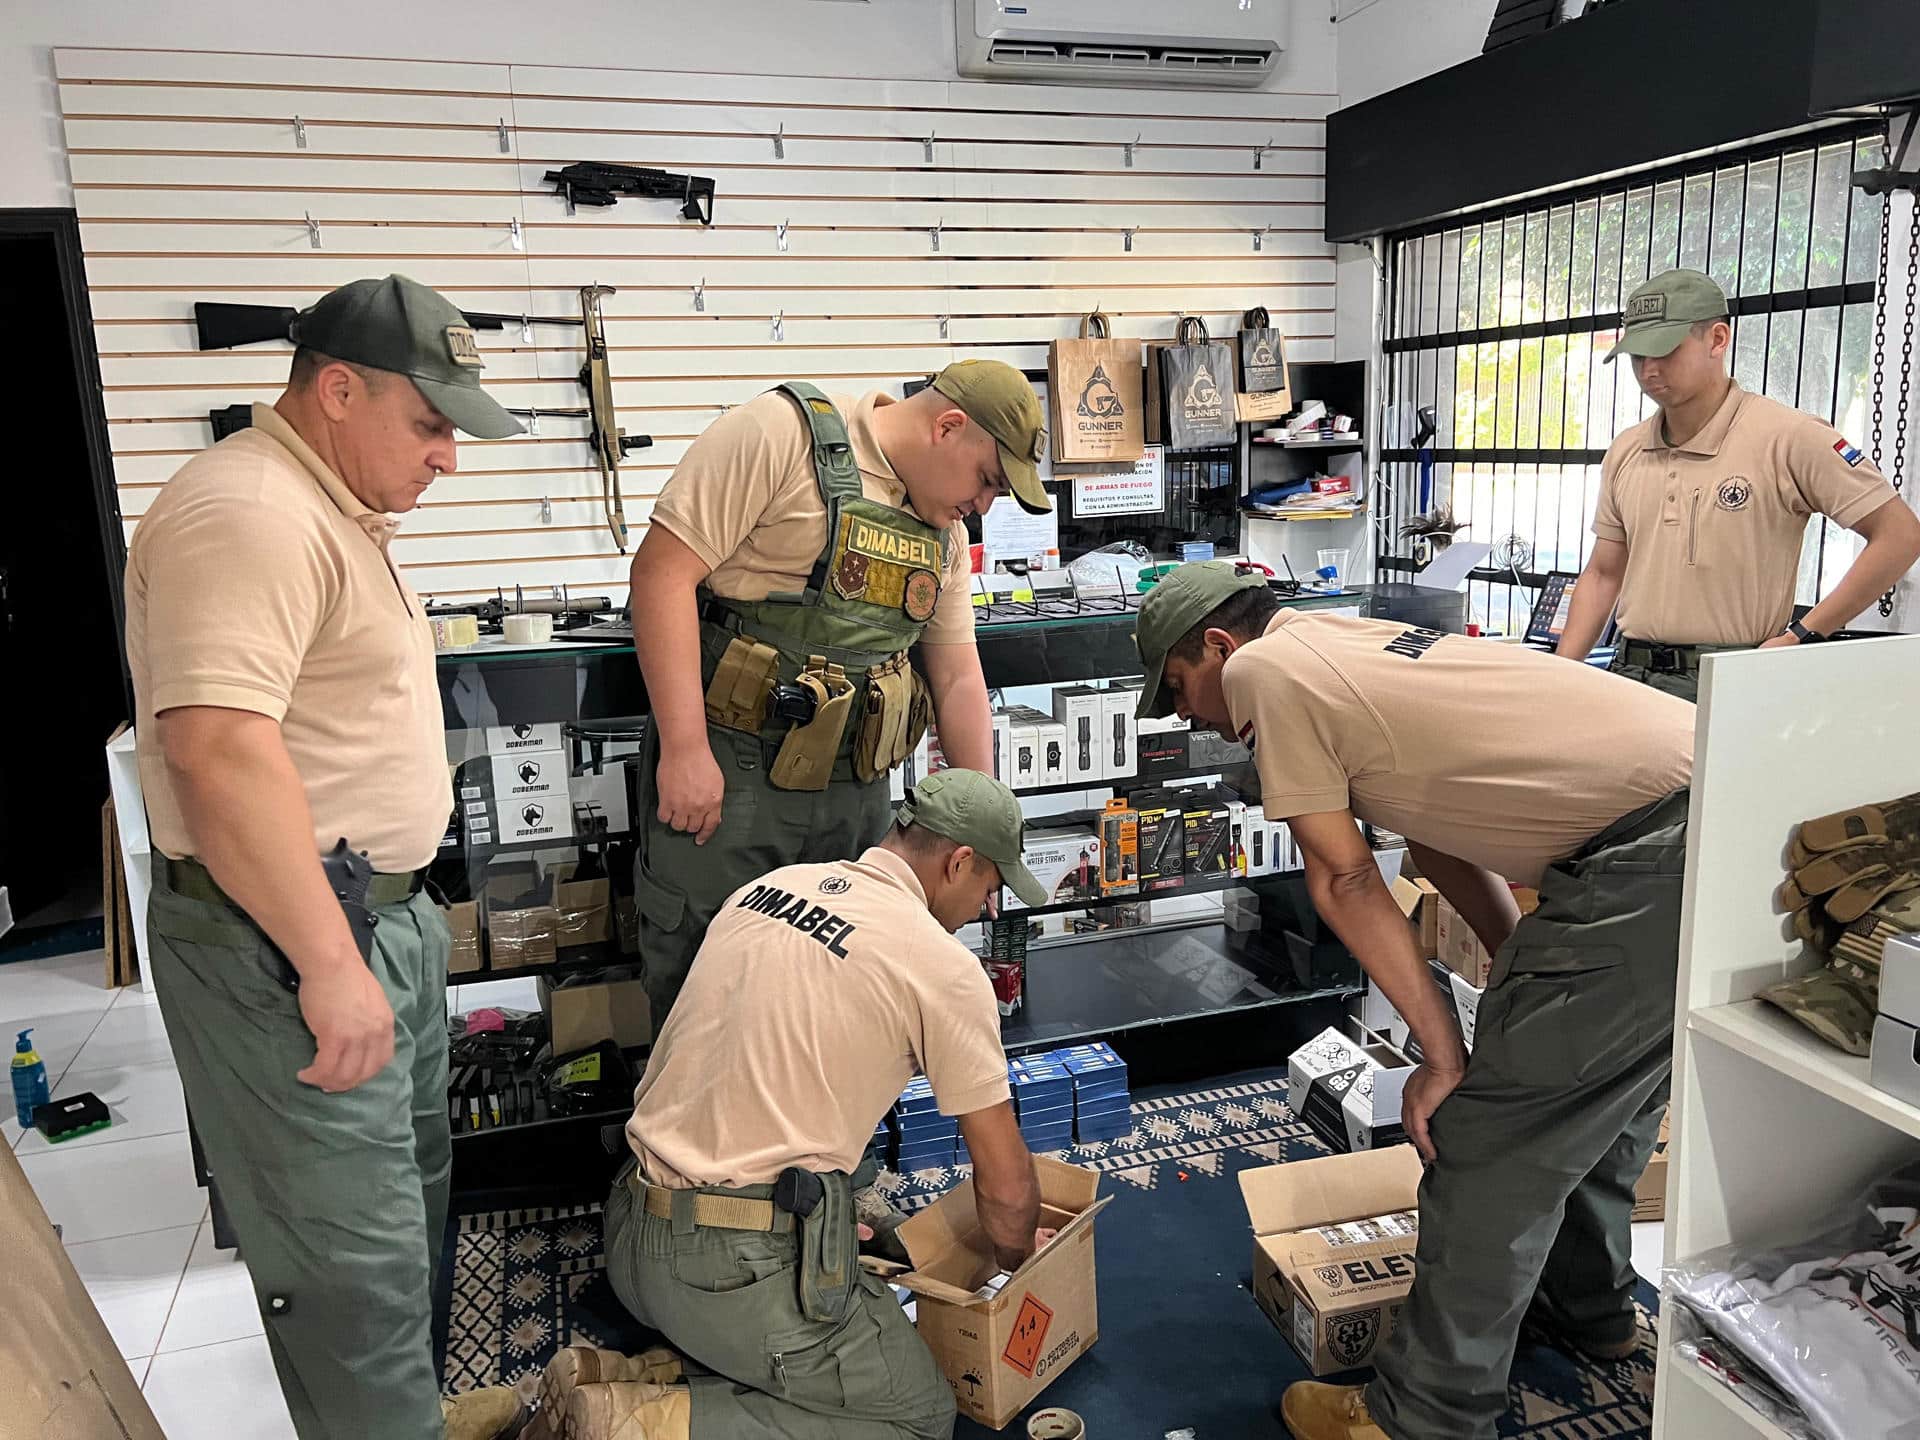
(1127, 237)
(780, 142)
(700, 296)
(506, 145)
(927, 146)
(533, 422)
(313, 231)
(780, 235)
(546, 509)
(514, 235)
(1129, 148)
(934, 233)
(299, 133)
(944, 319)
(526, 330)
(1260, 152)
(780, 326)
(1256, 239)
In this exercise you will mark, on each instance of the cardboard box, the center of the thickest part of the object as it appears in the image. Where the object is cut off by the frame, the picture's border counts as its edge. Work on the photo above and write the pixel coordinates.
(1000, 1348)
(1120, 738)
(464, 921)
(1466, 1004)
(1081, 709)
(1333, 1250)
(1372, 1107)
(583, 913)
(519, 739)
(1460, 949)
(584, 1015)
(1420, 902)
(518, 938)
(1065, 861)
(1650, 1192)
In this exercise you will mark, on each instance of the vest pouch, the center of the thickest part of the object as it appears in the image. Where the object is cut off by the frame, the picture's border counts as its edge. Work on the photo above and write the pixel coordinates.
(806, 755)
(882, 742)
(745, 676)
(919, 711)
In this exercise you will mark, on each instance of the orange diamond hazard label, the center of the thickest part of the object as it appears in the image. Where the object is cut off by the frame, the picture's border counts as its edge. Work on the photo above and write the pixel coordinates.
(1026, 1344)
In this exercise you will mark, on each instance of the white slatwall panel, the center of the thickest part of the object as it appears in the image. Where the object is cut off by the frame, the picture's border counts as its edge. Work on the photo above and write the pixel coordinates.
(190, 187)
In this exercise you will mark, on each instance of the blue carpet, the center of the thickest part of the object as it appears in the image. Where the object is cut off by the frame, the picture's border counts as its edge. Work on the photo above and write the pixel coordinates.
(1181, 1341)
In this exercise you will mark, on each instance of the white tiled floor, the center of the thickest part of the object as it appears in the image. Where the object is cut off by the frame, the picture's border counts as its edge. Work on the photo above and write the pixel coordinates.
(134, 1221)
(136, 1225)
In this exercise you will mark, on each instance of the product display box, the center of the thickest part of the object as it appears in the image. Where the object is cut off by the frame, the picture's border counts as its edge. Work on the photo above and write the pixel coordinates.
(1322, 1075)
(1119, 849)
(1209, 837)
(1120, 739)
(1025, 742)
(1081, 711)
(1161, 748)
(1003, 748)
(1333, 1250)
(1065, 861)
(1001, 1343)
(1162, 836)
(581, 1016)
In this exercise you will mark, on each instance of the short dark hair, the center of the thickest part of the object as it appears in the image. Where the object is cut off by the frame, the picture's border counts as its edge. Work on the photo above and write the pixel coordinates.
(308, 363)
(919, 840)
(1701, 327)
(1244, 616)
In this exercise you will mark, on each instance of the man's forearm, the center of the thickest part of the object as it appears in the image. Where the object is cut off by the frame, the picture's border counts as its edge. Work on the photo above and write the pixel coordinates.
(666, 639)
(246, 813)
(1361, 911)
(1594, 595)
(1010, 1220)
(960, 705)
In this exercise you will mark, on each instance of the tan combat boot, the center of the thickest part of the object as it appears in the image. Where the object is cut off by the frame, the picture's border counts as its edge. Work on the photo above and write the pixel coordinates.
(585, 1365)
(628, 1410)
(492, 1414)
(1328, 1412)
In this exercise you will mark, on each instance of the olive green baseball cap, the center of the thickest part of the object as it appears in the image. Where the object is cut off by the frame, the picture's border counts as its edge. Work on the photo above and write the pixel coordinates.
(402, 326)
(999, 400)
(969, 808)
(1661, 311)
(1176, 604)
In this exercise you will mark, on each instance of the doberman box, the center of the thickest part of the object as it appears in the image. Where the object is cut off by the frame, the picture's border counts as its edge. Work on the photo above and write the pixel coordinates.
(1333, 1250)
(1001, 1342)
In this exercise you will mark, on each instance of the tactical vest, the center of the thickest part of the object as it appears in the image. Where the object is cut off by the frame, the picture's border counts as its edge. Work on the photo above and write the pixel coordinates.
(876, 583)
(868, 599)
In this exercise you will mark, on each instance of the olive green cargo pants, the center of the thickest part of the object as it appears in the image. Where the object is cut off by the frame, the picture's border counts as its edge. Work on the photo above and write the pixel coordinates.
(339, 1201)
(1541, 1145)
(729, 1301)
(679, 886)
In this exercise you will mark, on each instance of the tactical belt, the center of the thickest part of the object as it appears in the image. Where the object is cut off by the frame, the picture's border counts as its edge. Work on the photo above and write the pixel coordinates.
(712, 1211)
(192, 879)
(718, 613)
(1668, 659)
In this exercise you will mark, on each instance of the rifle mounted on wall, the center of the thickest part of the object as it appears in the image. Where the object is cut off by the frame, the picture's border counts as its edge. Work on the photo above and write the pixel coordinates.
(589, 182)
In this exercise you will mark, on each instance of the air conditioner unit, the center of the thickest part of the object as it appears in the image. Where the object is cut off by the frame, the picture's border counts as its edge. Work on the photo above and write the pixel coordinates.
(1121, 42)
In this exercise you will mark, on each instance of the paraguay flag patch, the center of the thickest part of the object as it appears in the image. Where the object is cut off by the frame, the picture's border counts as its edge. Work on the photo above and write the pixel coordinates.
(1246, 735)
(1845, 450)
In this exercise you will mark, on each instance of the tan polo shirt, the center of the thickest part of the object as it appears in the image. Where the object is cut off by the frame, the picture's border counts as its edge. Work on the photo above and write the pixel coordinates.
(1506, 757)
(258, 582)
(744, 498)
(818, 993)
(1713, 528)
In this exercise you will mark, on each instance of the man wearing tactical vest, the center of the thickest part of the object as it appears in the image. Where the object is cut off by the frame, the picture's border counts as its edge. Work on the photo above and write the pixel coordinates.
(803, 544)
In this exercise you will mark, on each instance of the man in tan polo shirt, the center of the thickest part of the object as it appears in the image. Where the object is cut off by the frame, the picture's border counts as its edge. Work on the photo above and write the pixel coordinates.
(1704, 507)
(802, 546)
(284, 678)
(1497, 764)
(818, 992)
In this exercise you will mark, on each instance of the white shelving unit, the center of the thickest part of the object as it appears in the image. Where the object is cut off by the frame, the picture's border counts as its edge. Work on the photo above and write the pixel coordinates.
(1772, 1128)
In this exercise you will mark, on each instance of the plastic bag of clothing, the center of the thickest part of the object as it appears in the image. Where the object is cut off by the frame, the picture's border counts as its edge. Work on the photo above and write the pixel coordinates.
(1833, 1321)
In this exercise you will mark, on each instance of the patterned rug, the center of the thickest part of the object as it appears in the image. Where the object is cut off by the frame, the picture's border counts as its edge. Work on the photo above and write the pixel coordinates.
(1182, 1342)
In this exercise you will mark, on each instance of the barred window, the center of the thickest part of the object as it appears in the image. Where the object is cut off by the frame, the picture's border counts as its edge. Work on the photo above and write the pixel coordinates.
(1501, 324)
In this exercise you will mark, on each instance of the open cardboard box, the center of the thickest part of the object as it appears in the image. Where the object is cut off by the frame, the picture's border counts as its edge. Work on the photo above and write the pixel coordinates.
(1333, 1250)
(998, 1351)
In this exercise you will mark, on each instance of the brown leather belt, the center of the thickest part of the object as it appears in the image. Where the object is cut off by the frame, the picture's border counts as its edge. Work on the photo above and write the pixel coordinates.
(713, 1211)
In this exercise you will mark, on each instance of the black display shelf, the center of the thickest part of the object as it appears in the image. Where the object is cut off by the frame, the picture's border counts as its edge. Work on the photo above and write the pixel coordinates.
(1208, 886)
(521, 847)
(1118, 982)
(1127, 784)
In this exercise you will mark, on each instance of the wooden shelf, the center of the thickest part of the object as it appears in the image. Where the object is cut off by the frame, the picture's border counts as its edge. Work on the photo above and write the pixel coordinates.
(1763, 1033)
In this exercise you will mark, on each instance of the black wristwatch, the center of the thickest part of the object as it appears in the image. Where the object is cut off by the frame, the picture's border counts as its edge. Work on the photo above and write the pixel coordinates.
(1802, 633)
